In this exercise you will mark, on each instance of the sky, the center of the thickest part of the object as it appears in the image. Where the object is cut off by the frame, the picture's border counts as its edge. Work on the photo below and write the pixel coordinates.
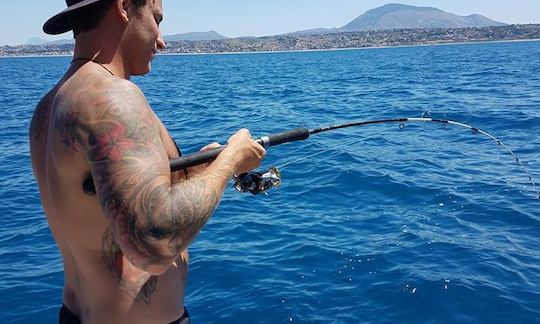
(21, 20)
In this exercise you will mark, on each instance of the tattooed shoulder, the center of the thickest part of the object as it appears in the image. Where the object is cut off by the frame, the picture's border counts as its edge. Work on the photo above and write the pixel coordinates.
(97, 112)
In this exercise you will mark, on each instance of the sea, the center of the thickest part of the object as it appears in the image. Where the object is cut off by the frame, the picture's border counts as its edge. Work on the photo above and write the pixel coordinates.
(384, 223)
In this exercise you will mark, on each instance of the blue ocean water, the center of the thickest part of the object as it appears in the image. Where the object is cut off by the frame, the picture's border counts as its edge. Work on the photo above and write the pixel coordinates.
(421, 224)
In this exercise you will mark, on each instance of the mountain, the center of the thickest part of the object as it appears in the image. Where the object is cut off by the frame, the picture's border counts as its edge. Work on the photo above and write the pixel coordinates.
(42, 41)
(36, 41)
(195, 36)
(387, 17)
(400, 16)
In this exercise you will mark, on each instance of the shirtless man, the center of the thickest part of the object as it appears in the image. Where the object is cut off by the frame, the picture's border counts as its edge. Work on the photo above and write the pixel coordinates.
(121, 219)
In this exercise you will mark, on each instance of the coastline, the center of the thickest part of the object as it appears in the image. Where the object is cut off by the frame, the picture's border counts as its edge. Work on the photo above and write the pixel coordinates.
(359, 48)
(33, 56)
(307, 50)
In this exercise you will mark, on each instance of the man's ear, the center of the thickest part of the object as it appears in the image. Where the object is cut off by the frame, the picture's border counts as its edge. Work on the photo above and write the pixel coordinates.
(122, 9)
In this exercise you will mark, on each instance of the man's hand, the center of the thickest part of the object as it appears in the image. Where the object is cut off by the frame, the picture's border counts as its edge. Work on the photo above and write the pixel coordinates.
(199, 168)
(210, 146)
(242, 152)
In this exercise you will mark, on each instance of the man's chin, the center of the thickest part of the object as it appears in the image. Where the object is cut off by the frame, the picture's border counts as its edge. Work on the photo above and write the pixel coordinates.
(143, 71)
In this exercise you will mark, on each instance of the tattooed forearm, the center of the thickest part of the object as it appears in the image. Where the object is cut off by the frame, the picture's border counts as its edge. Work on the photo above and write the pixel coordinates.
(160, 222)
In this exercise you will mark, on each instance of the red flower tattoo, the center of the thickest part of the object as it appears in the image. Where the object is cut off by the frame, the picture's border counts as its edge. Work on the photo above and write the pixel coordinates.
(114, 143)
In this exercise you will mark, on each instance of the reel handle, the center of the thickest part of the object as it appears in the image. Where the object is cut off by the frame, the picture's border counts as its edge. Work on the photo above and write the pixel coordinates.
(194, 159)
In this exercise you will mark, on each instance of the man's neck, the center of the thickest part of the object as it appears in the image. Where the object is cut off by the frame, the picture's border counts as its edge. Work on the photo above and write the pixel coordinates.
(95, 47)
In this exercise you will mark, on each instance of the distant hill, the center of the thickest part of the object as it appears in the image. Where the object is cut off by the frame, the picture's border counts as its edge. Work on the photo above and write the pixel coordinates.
(388, 17)
(314, 31)
(334, 40)
(400, 16)
(42, 41)
(195, 36)
(36, 41)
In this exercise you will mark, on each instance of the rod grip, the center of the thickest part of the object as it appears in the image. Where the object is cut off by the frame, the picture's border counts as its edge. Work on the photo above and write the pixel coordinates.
(294, 135)
(194, 159)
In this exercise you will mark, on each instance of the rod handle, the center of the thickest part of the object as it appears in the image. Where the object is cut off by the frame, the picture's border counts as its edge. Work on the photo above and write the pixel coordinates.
(294, 135)
(194, 159)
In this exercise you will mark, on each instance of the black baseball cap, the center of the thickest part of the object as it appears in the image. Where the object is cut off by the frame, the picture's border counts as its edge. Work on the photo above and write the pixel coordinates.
(61, 22)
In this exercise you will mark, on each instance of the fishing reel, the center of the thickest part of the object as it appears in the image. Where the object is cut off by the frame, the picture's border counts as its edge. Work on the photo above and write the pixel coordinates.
(256, 182)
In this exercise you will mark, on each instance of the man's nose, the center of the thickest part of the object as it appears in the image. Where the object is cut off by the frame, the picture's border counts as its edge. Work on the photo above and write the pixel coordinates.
(161, 42)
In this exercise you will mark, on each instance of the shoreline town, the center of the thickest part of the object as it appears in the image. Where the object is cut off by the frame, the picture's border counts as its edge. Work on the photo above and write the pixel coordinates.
(322, 41)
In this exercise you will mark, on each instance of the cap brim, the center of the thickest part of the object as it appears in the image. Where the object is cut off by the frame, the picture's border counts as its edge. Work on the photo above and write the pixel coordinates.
(61, 22)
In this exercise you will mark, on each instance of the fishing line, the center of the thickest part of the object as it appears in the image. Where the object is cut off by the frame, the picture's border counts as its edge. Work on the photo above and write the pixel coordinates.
(257, 182)
(283, 166)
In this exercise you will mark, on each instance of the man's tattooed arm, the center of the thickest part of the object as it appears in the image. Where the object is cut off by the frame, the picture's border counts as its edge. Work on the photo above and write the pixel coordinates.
(151, 220)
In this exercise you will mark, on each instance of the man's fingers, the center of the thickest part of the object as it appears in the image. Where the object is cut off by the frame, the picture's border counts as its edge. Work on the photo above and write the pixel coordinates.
(241, 133)
(210, 146)
(260, 149)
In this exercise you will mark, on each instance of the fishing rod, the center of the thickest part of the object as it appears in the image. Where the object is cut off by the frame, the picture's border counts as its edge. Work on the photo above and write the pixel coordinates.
(257, 182)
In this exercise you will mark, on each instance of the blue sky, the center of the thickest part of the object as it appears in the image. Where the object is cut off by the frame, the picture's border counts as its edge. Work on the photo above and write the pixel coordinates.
(21, 20)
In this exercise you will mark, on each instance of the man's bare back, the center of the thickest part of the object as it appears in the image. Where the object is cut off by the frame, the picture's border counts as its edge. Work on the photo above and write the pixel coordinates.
(124, 246)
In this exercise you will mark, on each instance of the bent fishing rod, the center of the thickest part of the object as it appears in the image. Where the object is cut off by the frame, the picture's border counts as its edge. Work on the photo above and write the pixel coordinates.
(256, 182)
